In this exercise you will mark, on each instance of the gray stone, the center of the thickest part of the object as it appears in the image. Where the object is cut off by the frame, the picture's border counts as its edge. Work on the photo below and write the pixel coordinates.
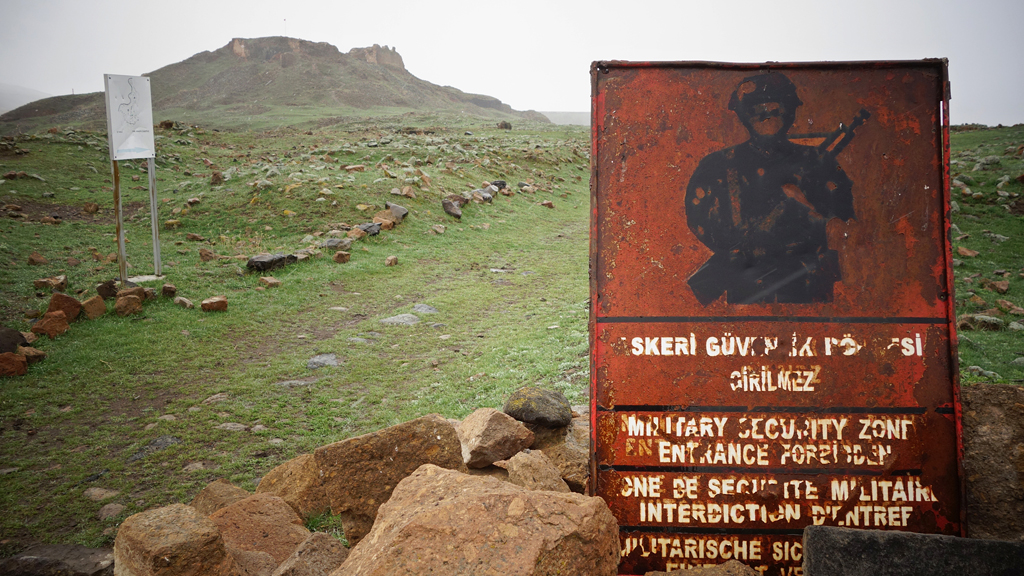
(371, 228)
(538, 406)
(424, 309)
(112, 510)
(264, 262)
(401, 320)
(337, 243)
(1015, 326)
(400, 212)
(60, 559)
(1017, 361)
(155, 445)
(356, 340)
(831, 551)
(321, 361)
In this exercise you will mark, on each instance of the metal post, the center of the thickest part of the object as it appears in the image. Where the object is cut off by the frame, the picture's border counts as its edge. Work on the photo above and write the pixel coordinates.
(122, 258)
(157, 265)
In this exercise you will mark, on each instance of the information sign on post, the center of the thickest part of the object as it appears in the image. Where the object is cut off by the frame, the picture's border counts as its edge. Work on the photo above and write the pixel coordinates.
(130, 136)
(772, 325)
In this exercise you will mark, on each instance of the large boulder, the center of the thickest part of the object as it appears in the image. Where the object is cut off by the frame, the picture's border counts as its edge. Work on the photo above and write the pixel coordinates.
(12, 364)
(319, 555)
(993, 421)
(444, 522)
(533, 471)
(488, 436)
(360, 473)
(175, 540)
(69, 305)
(261, 523)
(298, 483)
(264, 262)
(548, 408)
(568, 448)
(216, 495)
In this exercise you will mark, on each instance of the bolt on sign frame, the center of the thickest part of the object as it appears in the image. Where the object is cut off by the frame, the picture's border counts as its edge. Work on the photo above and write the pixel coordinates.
(772, 328)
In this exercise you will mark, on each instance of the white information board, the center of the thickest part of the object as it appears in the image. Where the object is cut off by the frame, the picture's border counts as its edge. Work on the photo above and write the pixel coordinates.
(129, 117)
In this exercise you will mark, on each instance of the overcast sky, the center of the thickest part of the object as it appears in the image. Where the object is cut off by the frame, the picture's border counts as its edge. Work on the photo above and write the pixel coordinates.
(530, 54)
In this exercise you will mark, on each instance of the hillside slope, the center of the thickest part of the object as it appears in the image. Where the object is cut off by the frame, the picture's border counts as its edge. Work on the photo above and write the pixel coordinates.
(276, 81)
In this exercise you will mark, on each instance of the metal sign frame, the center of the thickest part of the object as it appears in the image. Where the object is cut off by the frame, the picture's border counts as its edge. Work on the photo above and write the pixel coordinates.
(773, 338)
(130, 136)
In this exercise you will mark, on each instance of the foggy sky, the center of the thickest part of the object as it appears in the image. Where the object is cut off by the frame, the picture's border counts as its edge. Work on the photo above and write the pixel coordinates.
(530, 54)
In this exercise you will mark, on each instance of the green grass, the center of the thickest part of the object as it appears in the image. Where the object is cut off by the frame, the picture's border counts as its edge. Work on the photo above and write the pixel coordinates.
(79, 416)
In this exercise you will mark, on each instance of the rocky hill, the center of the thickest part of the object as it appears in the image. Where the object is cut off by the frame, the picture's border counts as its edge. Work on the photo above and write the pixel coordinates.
(273, 81)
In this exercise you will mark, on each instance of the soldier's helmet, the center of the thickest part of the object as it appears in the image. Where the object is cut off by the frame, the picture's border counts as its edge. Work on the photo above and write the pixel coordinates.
(769, 87)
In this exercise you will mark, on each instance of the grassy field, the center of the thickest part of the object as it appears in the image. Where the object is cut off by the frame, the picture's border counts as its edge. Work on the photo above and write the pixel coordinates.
(509, 281)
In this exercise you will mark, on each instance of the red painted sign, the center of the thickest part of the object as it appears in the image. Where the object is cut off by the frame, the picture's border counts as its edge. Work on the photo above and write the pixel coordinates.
(772, 327)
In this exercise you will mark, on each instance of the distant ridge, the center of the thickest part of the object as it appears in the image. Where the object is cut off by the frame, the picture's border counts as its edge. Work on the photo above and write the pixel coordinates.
(12, 96)
(573, 118)
(276, 81)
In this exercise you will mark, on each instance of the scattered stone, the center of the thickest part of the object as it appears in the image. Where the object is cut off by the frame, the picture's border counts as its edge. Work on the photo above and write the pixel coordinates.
(137, 291)
(488, 435)
(144, 539)
(155, 445)
(218, 397)
(112, 510)
(149, 293)
(834, 551)
(107, 290)
(438, 228)
(69, 305)
(399, 212)
(172, 224)
(532, 470)
(979, 322)
(337, 243)
(183, 302)
(568, 448)
(391, 261)
(1015, 326)
(94, 307)
(127, 305)
(60, 560)
(52, 324)
(439, 519)
(298, 483)
(11, 339)
(91, 207)
(322, 361)
(270, 282)
(217, 495)
(538, 406)
(32, 355)
(424, 309)
(371, 228)
(207, 255)
(360, 473)
(37, 259)
(451, 209)
(342, 257)
(547, 204)
(215, 304)
(216, 178)
(319, 555)
(265, 262)
(168, 290)
(232, 427)
(97, 494)
(356, 234)
(261, 523)
(12, 364)
(966, 252)
(401, 320)
(55, 283)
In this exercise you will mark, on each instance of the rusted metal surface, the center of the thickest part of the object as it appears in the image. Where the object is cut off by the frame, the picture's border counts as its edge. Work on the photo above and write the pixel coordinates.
(772, 337)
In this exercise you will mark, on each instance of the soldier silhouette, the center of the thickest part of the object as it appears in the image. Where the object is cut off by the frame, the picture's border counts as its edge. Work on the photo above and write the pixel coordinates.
(762, 206)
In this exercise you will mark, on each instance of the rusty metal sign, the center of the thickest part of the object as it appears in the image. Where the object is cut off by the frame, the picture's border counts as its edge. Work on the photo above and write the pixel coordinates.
(772, 331)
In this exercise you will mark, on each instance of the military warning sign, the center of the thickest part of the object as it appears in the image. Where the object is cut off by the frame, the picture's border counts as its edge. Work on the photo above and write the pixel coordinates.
(772, 322)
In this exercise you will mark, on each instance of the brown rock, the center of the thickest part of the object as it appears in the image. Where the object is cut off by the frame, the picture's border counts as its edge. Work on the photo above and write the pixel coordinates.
(194, 237)
(72, 261)
(183, 302)
(52, 324)
(385, 216)
(94, 307)
(30, 337)
(12, 364)
(391, 261)
(385, 224)
(168, 290)
(360, 473)
(966, 252)
(137, 291)
(150, 293)
(108, 511)
(91, 207)
(342, 257)
(107, 289)
(171, 541)
(216, 178)
(730, 568)
(270, 282)
(57, 283)
(319, 555)
(69, 305)
(356, 233)
(215, 304)
(172, 224)
(444, 522)
(32, 355)
(37, 259)
(49, 220)
(547, 204)
(488, 435)
(253, 563)
(216, 495)
(261, 523)
(127, 305)
(533, 471)
(298, 483)
(568, 448)
(355, 168)
(207, 255)
(993, 433)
